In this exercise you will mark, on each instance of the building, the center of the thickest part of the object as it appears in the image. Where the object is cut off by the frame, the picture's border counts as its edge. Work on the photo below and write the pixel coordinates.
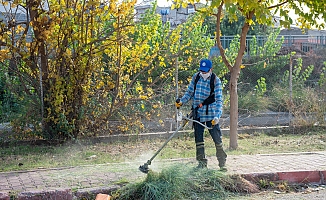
(304, 40)
(172, 16)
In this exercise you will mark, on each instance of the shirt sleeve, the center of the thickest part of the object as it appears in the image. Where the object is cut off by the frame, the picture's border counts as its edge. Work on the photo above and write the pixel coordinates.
(218, 97)
(189, 94)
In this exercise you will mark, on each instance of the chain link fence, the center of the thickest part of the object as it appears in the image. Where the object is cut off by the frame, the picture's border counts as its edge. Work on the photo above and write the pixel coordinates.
(278, 90)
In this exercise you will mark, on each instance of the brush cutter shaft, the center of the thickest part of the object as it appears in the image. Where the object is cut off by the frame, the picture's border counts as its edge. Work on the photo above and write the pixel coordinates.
(144, 168)
(158, 151)
(197, 122)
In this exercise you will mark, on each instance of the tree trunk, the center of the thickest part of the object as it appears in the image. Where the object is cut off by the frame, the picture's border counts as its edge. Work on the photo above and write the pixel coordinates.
(235, 73)
(234, 108)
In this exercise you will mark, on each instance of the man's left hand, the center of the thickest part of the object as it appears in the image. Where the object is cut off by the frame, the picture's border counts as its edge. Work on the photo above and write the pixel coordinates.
(215, 121)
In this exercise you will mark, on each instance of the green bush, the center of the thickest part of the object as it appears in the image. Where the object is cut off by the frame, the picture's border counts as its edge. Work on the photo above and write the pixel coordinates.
(305, 105)
(252, 102)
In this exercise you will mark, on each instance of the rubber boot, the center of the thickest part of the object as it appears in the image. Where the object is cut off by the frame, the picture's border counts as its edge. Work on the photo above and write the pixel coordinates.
(221, 156)
(202, 163)
(200, 155)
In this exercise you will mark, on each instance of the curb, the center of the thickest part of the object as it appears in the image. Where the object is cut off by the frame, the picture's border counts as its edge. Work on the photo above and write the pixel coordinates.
(317, 177)
(60, 194)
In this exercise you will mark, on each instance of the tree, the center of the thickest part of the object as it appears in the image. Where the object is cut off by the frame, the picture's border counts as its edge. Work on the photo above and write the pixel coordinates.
(59, 45)
(88, 62)
(264, 12)
(231, 28)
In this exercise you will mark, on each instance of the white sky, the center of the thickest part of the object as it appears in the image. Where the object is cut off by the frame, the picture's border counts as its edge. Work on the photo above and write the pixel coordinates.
(163, 3)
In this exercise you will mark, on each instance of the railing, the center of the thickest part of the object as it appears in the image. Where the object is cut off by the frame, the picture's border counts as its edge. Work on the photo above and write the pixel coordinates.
(303, 42)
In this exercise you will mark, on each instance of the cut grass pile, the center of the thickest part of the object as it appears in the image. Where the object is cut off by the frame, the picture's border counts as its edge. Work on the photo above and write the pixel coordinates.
(180, 181)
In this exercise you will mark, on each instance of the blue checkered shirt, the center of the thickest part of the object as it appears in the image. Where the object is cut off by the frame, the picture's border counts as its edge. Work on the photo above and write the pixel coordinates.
(202, 92)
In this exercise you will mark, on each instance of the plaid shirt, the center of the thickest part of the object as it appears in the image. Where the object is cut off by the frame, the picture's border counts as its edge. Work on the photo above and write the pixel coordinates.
(202, 92)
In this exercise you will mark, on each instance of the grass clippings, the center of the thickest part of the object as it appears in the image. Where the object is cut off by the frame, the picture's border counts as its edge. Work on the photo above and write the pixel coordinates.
(181, 181)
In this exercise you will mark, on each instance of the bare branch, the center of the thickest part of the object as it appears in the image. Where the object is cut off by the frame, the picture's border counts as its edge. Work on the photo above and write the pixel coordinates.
(277, 5)
(218, 38)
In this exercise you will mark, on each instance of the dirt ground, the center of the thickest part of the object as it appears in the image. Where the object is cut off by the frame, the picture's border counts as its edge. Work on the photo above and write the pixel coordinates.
(270, 195)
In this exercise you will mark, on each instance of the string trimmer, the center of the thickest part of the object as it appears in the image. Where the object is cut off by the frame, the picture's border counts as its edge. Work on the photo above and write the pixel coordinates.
(144, 168)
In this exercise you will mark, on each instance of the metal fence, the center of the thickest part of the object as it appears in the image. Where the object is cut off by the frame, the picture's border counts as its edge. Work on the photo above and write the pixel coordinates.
(304, 43)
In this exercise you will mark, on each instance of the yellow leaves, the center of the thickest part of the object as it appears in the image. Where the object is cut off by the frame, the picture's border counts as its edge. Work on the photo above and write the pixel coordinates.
(162, 64)
(19, 29)
(160, 58)
(143, 97)
(5, 3)
(251, 22)
(303, 23)
(189, 59)
(139, 88)
(112, 7)
(184, 4)
(162, 76)
(100, 85)
(4, 54)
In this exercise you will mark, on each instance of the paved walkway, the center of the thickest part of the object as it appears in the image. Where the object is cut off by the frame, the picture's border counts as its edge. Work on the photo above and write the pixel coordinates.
(308, 166)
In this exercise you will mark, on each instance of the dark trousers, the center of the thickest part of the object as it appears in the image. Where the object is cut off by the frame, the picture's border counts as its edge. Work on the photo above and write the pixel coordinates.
(215, 132)
(217, 138)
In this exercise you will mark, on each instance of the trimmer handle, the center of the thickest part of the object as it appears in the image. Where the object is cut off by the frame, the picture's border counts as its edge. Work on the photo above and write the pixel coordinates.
(177, 103)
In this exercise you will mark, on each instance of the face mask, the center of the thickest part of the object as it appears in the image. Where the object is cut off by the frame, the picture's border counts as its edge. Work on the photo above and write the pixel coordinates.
(205, 76)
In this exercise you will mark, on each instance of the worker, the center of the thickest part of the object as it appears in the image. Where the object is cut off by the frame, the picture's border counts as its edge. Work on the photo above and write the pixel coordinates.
(205, 89)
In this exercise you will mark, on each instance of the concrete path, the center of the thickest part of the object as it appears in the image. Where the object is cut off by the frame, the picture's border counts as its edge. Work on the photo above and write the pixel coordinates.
(78, 181)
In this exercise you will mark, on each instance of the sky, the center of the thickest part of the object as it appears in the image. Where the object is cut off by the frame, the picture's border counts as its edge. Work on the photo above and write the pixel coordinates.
(161, 3)
(165, 3)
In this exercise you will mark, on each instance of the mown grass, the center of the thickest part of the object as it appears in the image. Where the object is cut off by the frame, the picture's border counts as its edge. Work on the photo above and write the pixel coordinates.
(23, 157)
(181, 181)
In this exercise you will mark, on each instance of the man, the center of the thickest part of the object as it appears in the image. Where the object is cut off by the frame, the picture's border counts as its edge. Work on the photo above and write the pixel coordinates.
(206, 92)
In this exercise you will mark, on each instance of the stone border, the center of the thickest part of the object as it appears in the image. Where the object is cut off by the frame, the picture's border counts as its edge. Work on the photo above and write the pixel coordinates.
(317, 177)
(60, 194)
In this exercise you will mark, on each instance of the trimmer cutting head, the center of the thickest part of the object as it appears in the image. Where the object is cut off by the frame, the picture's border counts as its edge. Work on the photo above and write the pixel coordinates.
(144, 168)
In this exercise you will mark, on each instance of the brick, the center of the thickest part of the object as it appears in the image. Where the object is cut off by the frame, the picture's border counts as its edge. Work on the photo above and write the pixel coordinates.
(4, 196)
(102, 197)
(62, 194)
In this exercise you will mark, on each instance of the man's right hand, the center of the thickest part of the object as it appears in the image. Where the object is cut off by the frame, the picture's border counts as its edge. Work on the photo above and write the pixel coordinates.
(178, 103)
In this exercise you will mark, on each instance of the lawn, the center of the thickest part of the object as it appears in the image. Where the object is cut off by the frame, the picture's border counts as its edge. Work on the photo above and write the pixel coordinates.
(83, 152)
